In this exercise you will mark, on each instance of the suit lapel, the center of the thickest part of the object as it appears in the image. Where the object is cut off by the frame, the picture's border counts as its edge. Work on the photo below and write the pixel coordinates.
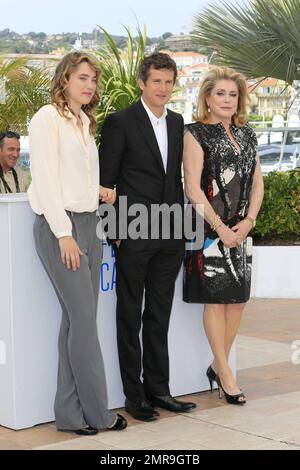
(171, 129)
(148, 133)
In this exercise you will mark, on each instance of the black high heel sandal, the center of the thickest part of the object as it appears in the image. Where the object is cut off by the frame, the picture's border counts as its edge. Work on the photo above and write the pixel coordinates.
(232, 399)
(212, 377)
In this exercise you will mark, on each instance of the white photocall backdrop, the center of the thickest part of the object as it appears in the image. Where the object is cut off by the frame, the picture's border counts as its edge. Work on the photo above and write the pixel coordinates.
(29, 325)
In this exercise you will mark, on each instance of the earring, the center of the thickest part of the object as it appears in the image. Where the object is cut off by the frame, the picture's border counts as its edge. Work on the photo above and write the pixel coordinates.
(208, 109)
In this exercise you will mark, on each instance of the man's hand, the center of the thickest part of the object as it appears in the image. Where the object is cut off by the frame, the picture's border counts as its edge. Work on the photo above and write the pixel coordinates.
(70, 252)
(107, 195)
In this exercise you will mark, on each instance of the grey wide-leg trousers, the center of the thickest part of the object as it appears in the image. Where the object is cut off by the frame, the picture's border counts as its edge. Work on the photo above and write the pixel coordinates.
(81, 398)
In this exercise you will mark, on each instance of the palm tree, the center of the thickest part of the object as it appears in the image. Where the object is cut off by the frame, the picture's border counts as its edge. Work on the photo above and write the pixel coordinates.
(261, 39)
(119, 72)
(27, 88)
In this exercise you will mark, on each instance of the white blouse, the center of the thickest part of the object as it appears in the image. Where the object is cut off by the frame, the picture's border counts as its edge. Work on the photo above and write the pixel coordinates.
(64, 168)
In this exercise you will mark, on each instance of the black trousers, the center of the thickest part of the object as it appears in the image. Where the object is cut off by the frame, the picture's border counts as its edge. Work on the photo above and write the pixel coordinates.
(153, 270)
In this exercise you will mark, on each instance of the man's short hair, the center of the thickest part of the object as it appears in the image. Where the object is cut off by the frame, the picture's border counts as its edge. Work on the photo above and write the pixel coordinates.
(10, 135)
(157, 60)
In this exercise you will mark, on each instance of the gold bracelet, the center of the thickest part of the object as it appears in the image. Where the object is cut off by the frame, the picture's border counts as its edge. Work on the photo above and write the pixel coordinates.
(213, 222)
(218, 225)
(253, 221)
(216, 222)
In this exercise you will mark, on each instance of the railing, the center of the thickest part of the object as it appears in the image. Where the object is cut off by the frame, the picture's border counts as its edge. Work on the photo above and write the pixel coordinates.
(278, 148)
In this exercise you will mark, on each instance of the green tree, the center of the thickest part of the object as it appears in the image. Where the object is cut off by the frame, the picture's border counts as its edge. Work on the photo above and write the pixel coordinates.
(260, 39)
(166, 35)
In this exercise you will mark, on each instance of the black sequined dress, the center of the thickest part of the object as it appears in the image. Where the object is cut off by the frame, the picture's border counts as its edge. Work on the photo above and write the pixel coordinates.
(216, 274)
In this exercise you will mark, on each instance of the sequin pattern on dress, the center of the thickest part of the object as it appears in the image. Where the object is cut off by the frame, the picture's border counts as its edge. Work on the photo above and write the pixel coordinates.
(216, 274)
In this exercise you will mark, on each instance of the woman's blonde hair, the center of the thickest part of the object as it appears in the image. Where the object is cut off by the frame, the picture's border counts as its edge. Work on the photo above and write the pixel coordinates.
(60, 80)
(209, 82)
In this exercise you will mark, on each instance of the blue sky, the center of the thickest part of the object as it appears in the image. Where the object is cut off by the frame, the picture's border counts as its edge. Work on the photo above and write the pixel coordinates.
(54, 16)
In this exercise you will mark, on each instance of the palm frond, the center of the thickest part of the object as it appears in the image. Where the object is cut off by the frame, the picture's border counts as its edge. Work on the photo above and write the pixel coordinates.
(27, 89)
(119, 72)
(259, 39)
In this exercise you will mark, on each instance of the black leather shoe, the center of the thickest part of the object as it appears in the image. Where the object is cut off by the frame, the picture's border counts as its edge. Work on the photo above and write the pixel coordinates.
(169, 403)
(120, 424)
(86, 431)
(141, 410)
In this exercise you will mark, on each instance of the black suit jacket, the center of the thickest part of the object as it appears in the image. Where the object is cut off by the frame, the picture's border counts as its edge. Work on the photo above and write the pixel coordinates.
(130, 158)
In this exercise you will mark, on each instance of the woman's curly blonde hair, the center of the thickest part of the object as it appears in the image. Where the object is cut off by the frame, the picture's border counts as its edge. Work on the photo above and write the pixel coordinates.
(60, 80)
(209, 82)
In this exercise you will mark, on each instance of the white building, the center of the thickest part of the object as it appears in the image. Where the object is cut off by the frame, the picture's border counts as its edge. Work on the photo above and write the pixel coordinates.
(78, 43)
(186, 99)
(192, 73)
(187, 58)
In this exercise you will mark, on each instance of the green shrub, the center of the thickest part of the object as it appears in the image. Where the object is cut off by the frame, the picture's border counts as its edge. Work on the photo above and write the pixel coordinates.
(279, 217)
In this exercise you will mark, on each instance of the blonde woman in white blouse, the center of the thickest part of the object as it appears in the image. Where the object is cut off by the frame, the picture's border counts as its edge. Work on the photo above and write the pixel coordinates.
(64, 194)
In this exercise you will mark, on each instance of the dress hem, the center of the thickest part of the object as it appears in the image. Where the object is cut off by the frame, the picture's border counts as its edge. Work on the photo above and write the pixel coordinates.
(231, 301)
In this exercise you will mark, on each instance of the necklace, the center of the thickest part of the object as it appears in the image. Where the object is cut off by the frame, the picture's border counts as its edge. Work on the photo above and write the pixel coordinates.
(232, 139)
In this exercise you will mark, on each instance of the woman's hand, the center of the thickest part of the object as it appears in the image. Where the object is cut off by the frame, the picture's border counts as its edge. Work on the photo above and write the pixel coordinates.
(70, 252)
(228, 236)
(242, 229)
(107, 195)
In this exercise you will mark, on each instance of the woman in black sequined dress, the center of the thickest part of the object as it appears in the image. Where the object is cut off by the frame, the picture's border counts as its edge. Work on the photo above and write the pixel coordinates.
(222, 173)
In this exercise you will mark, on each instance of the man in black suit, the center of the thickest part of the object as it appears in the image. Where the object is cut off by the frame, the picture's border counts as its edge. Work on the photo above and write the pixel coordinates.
(141, 155)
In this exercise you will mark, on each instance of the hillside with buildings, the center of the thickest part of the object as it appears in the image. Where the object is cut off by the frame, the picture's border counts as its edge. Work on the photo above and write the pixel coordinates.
(268, 97)
(42, 43)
